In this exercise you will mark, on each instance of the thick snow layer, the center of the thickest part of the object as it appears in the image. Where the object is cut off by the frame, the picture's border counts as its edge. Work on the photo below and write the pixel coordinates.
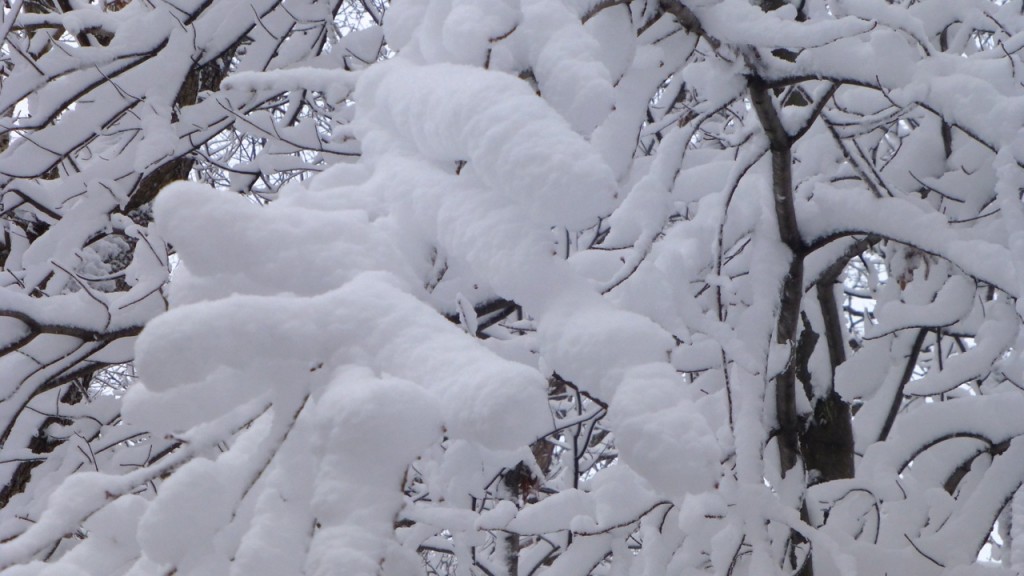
(493, 122)
(661, 433)
(536, 309)
(571, 75)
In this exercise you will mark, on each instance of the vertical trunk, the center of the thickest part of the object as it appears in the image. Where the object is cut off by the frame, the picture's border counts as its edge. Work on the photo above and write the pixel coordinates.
(827, 440)
(821, 444)
(517, 485)
(788, 323)
(825, 443)
(512, 554)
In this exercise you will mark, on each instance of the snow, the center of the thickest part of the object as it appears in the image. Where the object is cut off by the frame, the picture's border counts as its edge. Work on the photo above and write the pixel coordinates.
(571, 77)
(661, 433)
(950, 304)
(494, 123)
(743, 23)
(199, 485)
(901, 219)
(534, 306)
(568, 507)
(355, 493)
(469, 27)
(336, 84)
(993, 338)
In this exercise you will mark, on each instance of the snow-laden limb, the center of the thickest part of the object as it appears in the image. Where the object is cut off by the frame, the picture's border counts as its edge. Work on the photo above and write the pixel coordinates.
(355, 492)
(951, 303)
(415, 343)
(994, 336)
(837, 212)
(496, 125)
(334, 84)
(606, 288)
(103, 104)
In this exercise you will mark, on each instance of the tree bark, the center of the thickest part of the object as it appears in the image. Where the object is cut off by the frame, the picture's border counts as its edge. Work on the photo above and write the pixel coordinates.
(827, 440)
(788, 322)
